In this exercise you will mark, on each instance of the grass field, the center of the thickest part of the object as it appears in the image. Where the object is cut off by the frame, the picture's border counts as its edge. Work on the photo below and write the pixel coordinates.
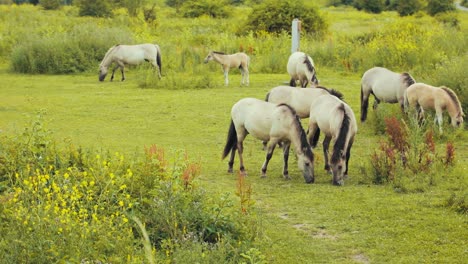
(299, 223)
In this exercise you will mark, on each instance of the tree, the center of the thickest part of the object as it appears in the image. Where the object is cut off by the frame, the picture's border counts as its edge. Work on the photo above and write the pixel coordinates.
(439, 6)
(276, 16)
(101, 8)
(373, 6)
(408, 7)
(50, 4)
(212, 8)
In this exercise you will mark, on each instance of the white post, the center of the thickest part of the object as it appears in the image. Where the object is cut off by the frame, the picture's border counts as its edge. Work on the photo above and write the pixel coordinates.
(295, 35)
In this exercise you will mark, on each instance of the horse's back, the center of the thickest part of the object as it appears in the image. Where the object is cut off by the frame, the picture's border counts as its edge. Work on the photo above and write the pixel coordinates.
(299, 99)
(326, 113)
(296, 63)
(254, 116)
(424, 95)
(383, 83)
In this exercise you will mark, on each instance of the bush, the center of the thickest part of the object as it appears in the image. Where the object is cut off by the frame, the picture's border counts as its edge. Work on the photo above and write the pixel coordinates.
(409, 7)
(76, 51)
(439, 6)
(69, 204)
(50, 4)
(373, 6)
(212, 8)
(275, 17)
(95, 8)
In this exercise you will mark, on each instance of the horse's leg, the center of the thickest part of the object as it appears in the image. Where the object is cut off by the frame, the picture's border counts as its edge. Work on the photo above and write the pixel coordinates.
(376, 102)
(326, 144)
(242, 74)
(439, 118)
(226, 75)
(156, 67)
(113, 71)
(348, 155)
(285, 159)
(270, 148)
(292, 82)
(364, 104)
(231, 160)
(246, 73)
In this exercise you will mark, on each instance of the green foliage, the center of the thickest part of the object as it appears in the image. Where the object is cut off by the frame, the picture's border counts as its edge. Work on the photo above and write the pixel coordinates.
(95, 8)
(78, 50)
(408, 159)
(373, 6)
(67, 204)
(50, 4)
(275, 17)
(464, 3)
(409, 7)
(212, 8)
(439, 6)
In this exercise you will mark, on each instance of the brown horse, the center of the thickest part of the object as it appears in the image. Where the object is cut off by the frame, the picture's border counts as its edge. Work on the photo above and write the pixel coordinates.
(423, 96)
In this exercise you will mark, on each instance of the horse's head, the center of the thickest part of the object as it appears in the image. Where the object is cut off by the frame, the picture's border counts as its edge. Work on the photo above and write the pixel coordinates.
(102, 72)
(458, 120)
(208, 57)
(314, 81)
(338, 168)
(305, 162)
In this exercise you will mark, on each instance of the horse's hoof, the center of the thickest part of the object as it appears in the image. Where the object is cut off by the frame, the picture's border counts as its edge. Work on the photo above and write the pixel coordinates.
(230, 171)
(286, 177)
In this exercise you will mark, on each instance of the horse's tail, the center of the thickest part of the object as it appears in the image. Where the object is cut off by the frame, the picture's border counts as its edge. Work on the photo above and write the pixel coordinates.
(267, 98)
(158, 58)
(364, 105)
(231, 142)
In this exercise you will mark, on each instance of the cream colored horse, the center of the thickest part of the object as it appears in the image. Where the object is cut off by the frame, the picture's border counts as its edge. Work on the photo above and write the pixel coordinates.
(423, 96)
(130, 54)
(298, 98)
(272, 123)
(337, 121)
(301, 68)
(386, 86)
(238, 60)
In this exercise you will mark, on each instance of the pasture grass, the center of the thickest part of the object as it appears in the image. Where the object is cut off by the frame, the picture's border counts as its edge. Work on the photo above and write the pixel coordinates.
(299, 223)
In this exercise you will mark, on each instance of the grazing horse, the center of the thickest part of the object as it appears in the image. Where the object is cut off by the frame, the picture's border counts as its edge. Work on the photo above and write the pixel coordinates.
(301, 68)
(297, 98)
(385, 85)
(129, 54)
(238, 60)
(423, 96)
(272, 123)
(337, 121)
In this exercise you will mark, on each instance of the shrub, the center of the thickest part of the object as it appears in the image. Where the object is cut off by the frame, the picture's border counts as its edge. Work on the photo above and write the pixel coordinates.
(439, 6)
(373, 6)
(95, 8)
(74, 205)
(408, 158)
(212, 8)
(76, 51)
(274, 16)
(409, 7)
(50, 4)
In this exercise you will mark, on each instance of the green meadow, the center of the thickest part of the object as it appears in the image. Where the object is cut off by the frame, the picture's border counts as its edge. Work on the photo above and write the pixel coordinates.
(61, 129)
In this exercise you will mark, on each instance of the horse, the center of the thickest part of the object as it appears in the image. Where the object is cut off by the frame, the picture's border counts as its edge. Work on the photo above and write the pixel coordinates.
(423, 96)
(301, 68)
(272, 123)
(297, 98)
(385, 85)
(337, 121)
(132, 55)
(237, 60)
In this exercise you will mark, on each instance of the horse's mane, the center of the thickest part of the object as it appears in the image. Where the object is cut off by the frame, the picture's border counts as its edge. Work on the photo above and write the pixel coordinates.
(108, 53)
(341, 139)
(304, 144)
(219, 52)
(333, 92)
(454, 98)
(407, 79)
(308, 63)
